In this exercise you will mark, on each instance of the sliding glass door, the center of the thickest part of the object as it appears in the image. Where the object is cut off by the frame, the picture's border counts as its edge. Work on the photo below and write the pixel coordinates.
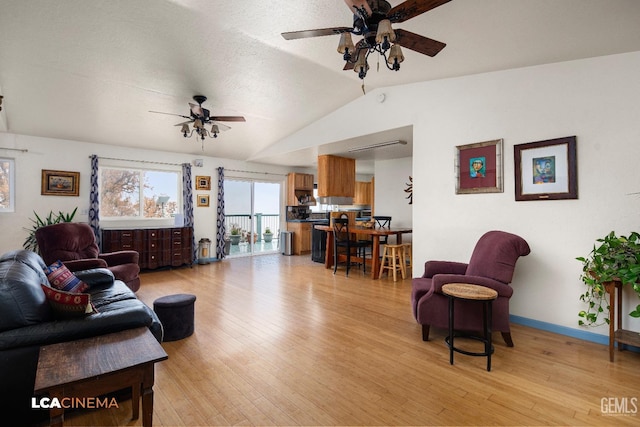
(252, 216)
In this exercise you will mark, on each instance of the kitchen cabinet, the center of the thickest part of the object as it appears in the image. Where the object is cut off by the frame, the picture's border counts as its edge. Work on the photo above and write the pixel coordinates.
(300, 189)
(363, 193)
(157, 247)
(301, 236)
(336, 176)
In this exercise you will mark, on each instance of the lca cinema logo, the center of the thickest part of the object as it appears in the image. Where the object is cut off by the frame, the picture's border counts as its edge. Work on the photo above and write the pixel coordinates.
(73, 403)
(617, 406)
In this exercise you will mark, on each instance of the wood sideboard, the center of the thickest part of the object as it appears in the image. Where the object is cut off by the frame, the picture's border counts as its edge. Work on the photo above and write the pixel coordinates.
(158, 247)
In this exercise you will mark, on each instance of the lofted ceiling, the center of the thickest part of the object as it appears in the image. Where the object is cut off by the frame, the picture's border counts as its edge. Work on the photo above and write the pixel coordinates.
(91, 71)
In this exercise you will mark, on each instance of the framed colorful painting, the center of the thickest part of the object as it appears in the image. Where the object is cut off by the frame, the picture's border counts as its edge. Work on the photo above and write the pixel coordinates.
(479, 167)
(546, 170)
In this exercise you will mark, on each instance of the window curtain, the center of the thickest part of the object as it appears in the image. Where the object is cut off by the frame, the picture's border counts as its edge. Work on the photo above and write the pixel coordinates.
(94, 202)
(220, 243)
(187, 203)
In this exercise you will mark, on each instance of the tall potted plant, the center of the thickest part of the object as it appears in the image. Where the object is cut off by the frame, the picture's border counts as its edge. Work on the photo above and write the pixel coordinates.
(30, 243)
(615, 260)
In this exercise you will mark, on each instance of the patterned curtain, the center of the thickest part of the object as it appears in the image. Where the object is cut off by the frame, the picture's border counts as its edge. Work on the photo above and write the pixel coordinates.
(187, 203)
(220, 217)
(94, 201)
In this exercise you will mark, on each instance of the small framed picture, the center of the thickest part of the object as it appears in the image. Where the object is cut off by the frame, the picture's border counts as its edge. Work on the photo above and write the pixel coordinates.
(60, 183)
(203, 200)
(479, 167)
(546, 170)
(203, 183)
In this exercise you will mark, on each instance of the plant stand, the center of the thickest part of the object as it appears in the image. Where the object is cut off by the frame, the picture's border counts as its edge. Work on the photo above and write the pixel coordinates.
(621, 336)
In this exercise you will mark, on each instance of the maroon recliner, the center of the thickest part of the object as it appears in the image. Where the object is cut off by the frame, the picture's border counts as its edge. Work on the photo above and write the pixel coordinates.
(75, 245)
(492, 264)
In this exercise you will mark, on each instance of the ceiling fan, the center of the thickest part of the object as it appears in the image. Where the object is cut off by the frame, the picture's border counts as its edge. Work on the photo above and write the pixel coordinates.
(372, 19)
(200, 117)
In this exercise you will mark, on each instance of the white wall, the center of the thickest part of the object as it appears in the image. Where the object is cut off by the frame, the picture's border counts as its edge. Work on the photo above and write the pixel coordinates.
(56, 154)
(392, 177)
(598, 100)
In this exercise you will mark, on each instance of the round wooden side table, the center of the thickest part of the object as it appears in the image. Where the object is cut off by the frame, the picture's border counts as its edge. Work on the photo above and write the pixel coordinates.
(469, 292)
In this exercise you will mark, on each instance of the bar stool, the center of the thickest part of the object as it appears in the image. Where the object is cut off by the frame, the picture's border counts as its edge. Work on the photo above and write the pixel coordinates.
(469, 292)
(393, 259)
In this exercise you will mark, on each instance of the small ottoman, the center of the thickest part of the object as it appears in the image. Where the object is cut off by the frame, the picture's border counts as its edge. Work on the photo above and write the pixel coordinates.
(176, 315)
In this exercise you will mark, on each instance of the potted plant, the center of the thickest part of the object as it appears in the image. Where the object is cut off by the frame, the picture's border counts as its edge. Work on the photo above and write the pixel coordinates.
(235, 234)
(267, 235)
(615, 260)
(30, 243)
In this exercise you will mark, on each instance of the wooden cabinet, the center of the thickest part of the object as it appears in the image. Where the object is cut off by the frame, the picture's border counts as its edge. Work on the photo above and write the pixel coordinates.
(300, 190)
(301, 236)
(336, 176)
(363, 194)
(158, 247)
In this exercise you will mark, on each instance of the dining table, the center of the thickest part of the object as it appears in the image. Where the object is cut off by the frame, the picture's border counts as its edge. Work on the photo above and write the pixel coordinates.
(375, 234)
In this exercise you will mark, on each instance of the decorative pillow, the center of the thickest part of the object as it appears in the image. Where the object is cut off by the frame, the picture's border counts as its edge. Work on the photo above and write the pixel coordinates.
(61, 278)
(67, 304)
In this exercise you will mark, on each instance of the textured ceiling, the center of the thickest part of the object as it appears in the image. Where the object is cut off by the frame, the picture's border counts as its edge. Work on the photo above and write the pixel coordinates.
(92, 70)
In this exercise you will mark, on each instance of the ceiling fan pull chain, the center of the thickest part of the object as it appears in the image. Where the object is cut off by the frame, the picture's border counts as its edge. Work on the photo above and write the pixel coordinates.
(363, 91)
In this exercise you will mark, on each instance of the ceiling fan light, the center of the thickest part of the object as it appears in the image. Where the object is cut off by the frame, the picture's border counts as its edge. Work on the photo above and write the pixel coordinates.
(361, 66)
(346, 43)
(385, 30)
(197, 124)
(395, 54)
(215, 130)
(185, 128)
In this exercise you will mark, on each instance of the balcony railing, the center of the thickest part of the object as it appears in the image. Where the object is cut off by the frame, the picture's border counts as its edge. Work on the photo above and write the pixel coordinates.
(262, 221)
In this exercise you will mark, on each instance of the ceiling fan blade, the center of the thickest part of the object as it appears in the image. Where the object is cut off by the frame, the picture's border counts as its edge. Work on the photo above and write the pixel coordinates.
(418, 43)
(170, 114)
(227, 119)
(196, 109)
(293, 35)
(412, 8)
(184, 123)
(222, 127)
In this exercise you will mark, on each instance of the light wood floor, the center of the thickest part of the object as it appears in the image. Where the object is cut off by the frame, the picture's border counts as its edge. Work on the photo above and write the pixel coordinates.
(281, 341)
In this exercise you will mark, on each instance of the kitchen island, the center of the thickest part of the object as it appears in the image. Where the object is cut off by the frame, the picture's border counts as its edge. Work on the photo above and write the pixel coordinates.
(375, 233)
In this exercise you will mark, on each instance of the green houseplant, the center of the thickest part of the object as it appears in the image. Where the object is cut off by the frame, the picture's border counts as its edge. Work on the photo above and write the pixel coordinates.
(267, 235)
(234, 234)
(615, 259)
(30, 243)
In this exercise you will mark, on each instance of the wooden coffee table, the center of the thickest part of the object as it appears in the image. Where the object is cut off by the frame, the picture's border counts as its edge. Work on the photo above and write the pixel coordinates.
(95, 366)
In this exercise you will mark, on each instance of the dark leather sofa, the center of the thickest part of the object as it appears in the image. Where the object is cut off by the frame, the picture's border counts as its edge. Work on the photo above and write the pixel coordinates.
(27, 322)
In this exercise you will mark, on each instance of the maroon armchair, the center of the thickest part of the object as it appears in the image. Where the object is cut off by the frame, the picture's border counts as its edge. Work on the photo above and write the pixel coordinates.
(75, 245)
(491, 265)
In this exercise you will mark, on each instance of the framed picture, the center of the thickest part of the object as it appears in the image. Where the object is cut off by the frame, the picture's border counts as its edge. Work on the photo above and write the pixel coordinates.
(546, 170)
(60, 183)
(203, 183)
(203, 200)
(479, 167)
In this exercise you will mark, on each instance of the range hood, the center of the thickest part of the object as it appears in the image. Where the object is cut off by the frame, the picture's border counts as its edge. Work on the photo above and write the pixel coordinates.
(335, 200)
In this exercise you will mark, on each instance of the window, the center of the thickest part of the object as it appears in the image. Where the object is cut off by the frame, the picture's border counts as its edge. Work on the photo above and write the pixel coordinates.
(7, 185)
(142, 194)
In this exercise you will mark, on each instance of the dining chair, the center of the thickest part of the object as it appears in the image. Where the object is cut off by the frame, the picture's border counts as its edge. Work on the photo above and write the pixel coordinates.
(342, 239)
